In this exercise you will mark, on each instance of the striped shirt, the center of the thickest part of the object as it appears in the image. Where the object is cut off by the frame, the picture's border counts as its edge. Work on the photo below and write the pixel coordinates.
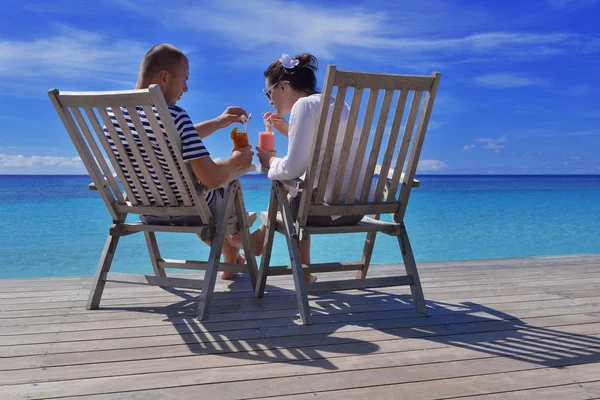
(192, 149)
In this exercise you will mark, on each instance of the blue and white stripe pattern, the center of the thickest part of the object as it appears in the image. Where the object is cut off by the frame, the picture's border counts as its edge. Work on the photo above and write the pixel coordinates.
(192, 148)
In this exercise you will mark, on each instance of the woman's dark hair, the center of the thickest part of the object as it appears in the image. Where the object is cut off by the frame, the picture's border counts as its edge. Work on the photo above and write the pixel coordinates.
(301, 77)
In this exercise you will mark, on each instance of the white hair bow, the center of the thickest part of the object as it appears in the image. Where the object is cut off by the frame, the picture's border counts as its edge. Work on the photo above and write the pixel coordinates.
(288, 62)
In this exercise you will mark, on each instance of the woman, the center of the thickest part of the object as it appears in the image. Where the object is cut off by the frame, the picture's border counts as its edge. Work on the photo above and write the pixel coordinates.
(291, 87)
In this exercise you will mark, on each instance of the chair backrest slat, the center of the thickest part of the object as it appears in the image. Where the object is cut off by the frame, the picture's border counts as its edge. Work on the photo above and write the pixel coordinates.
(362, 144)
(346, 171)
(187, 185)
(135, 187)
(151, 154)
(347, 144)
(391, 146)
(376, 145)
(138, 159)
(415, 153)
(408, 131)
(312, 170)
(89, 112)
(152, 173)
(106, 171)
(330, 146)
(84, 152)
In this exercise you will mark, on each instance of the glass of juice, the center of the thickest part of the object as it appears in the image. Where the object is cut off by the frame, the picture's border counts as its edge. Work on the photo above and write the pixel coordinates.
(266, 140)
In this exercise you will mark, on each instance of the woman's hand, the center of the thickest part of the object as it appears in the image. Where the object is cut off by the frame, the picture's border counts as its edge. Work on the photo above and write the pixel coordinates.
(265, 157)
(278, 122)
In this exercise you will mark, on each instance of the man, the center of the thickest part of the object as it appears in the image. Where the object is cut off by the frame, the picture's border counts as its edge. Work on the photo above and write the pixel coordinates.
(168, 67)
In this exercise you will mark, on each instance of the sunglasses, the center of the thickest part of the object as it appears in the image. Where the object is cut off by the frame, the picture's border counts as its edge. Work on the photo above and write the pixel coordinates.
(267, 92)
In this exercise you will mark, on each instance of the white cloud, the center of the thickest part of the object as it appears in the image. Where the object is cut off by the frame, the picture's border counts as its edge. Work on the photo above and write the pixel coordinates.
(329, 29)
(492, 144)
(487, 143)
(431, 165)
(19, 161)
(70, 54)
(508, 80)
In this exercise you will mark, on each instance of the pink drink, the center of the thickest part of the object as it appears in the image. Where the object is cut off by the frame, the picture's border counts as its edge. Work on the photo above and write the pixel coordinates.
(266, 141)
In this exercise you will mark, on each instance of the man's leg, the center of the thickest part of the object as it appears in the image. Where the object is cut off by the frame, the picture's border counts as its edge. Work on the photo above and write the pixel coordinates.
(230, 255)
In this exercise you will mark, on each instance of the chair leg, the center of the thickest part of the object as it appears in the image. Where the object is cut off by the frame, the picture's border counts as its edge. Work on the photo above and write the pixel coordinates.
(291, 237)
(210, 275)
(244, 230)
(366, 256)
(411, 270)
(152, 245)
(268, 244)
(103, 266)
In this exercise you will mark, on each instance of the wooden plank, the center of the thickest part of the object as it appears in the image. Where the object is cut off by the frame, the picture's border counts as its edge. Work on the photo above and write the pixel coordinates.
(347, 284)
(152, 280)
(347, 146)
(169, 150)
(291, 237)
(559, 389)
(391, 146)
(101, 99)
(488, 296)
(350, 372)
(184, 169)
(352, 210)
(128, 169)
(151, 154)
(331, 136)
(316, 267)
(137, 158)
(89, 112)
(376, 145)
(415, 151)
(408, 351)
(99, 157)
(223, 344)
(154, 253)
(362, 143)
(82, 149)
(403, 150)
(432, 278)
(542, 266)
(276, 325)
(312, 170)
(383, 81)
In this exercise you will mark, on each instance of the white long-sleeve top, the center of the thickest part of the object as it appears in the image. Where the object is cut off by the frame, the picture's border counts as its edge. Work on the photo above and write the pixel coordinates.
(302, 129)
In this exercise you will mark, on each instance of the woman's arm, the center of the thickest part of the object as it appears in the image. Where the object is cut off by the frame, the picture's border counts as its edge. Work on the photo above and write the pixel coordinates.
(303, 125)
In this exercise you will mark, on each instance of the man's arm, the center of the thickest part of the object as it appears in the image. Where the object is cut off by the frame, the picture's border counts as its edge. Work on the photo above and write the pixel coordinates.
(228, 117)
(215, 174)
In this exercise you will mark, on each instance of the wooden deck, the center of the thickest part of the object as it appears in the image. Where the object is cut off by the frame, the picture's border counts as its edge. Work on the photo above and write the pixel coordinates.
(498, 329)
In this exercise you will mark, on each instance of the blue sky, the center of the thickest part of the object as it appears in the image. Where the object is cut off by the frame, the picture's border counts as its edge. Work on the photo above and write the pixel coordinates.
(519, 90)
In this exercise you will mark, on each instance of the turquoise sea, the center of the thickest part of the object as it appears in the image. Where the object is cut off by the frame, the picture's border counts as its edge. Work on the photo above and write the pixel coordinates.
(55, 226)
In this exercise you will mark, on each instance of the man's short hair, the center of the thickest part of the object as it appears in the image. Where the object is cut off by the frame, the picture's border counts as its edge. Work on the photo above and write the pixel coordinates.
(159, 57)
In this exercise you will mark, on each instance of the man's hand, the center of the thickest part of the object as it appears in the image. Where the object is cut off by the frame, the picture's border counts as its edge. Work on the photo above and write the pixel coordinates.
(229, 116)
(265, 157)
(278, 122)
(242, 156)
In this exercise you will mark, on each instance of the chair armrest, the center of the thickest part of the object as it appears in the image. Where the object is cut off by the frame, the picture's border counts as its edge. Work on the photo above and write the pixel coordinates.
(241, 172)
(415, 182)
(296, 183)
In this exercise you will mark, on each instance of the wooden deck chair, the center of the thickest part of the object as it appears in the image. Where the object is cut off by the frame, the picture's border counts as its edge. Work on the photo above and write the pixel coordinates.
(387, 195)
(147, 194)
